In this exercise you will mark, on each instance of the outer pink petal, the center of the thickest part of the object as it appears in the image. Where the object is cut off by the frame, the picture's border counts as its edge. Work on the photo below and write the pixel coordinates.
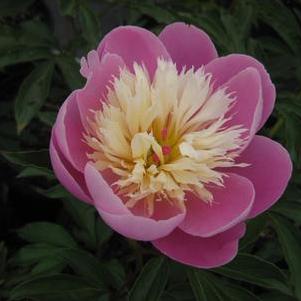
(100, 75)
(134, 44)
(69, 133)
(224, 68)
(188, 45)
(270, 171)
(201, 252)
(231, 205)
(119, 217)
(247, 109)
(72, 180)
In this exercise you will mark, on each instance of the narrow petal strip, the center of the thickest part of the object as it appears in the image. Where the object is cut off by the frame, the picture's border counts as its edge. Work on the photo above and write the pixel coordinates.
(247, 108)
(72, 180)
(69, 133)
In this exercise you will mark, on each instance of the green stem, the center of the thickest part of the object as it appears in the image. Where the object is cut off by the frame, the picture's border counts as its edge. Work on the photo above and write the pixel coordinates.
(134, 245)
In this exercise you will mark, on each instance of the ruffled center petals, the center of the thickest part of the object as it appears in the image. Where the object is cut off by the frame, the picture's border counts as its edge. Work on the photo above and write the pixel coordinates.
(134, 44)
(120, 218)
(165, 137)
(231, 205)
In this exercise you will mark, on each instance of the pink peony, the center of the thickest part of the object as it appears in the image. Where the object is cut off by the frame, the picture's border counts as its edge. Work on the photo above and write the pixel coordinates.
(162, 141)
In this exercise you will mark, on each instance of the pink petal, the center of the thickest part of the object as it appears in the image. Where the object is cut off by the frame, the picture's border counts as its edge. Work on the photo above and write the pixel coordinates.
(134, 44)
(223, 68)
(100, 75)
(201, 252)
(70, 178)
(247, 109)
(270, 171)
(188, 45)
(231, 205)
(69, 133)
(120, 218)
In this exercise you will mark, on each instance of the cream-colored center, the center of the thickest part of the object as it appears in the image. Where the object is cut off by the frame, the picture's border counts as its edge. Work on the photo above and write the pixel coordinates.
(164, 137)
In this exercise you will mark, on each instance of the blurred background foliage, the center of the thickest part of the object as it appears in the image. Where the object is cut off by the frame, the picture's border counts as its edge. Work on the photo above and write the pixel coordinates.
(55, 248)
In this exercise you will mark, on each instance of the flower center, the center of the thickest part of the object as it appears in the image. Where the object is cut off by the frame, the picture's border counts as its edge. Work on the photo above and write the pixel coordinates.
(164, 137)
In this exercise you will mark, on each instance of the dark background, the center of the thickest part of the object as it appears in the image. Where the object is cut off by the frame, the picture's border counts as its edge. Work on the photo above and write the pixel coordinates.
(56, 248)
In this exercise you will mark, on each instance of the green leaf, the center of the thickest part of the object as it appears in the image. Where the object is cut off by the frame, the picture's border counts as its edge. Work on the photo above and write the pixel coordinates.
(31, 40)
(255, 270)
(60, 287)
(151, 281)
(216, 288)
(11, 8)
(48, 266)
(290, 242)
(32, 94)
(254, 228)
(36, 253)
(282, 20)
(68, 7)
(43, 232)
(238, 293)
(36, 172)
(48, 117)
(91, 229)
(90, 25)
(16, 56)
(36, 163)
(55, 192)
(50, 256)
(179, 292)
(70, 70)
(291, 210)
(38, 158)
(160, 14)
(202, 287)
(275, 296)
(3, 257)
(88, 266)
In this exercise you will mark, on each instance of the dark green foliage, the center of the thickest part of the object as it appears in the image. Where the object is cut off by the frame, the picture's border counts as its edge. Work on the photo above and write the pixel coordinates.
(53, 247)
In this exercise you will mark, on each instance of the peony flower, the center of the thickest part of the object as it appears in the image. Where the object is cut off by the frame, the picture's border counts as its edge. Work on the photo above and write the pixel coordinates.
(162, 141)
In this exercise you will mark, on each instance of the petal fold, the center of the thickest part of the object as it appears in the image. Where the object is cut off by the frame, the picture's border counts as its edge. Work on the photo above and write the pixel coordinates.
(201, 252)
(231, 205)
(223, 68)
(188, 45)
(247, 108)
(270, 170)
(72, 179)
(119, 217)
(100, 75)
(69, 133)
(134, 44)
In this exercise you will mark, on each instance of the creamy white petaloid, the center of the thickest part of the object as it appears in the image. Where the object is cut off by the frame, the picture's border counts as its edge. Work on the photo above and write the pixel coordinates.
(166, 136)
